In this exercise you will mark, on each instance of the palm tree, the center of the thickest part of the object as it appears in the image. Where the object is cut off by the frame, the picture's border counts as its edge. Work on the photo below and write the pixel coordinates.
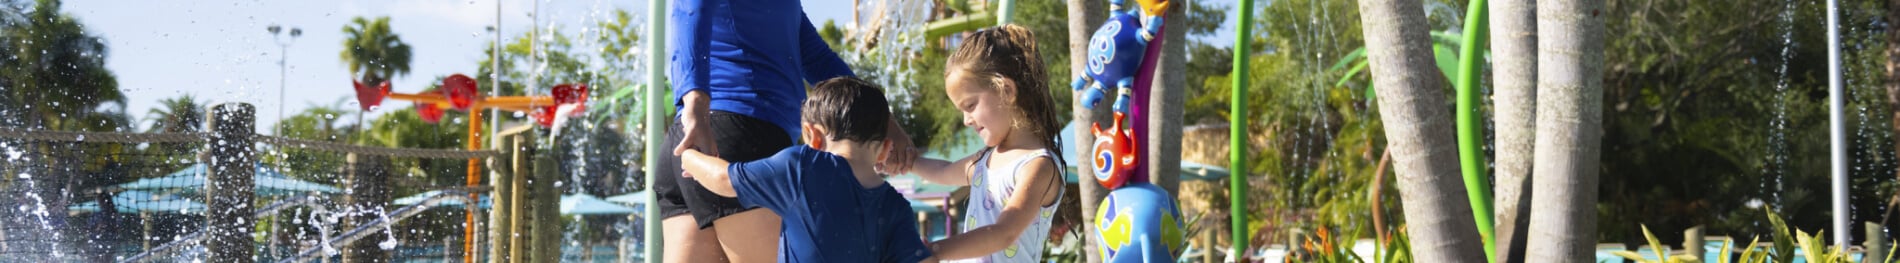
(1418, 127)
(1569, 126)
(180, 114)
(57, 71)
(1514, 49)
(373, 51)
(1084, 16)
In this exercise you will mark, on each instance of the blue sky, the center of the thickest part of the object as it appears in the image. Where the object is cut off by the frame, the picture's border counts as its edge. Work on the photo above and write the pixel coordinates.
(221, 52)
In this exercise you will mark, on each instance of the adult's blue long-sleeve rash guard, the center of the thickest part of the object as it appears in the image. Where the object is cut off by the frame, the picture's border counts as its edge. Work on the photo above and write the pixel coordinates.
(753, 57)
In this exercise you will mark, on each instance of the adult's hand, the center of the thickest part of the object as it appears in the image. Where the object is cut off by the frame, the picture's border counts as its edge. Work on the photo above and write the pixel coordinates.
(698, 134)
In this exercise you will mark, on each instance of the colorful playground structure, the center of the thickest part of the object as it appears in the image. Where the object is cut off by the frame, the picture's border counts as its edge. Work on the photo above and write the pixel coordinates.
(461, 93)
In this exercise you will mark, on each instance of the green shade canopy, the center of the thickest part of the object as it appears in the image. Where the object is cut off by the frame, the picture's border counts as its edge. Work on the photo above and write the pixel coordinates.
(266, 182)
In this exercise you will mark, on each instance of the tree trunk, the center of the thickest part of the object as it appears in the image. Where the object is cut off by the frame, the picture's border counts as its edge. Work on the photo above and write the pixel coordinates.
(1084, 16)
(1893, 83)
(1514, 50)
(1569, 127)
(1419, 130)
(1165, 100)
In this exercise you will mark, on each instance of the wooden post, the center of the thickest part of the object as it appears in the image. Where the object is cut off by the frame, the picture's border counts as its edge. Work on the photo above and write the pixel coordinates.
(1692, 241)
(369, 194)
(1876, 243)
(229, 191)
(547, 203)
(502, 196)
(518, 224)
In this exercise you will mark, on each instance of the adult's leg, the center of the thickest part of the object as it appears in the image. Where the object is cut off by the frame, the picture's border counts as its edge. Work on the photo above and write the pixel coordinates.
(750, 236)
(685, 241)
(747, 234)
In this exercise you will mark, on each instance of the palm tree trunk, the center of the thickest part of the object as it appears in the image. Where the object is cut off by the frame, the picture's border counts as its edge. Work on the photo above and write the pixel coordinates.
(1893, 85)
(1514, 50)
(1084, 16)
(1165, 98)
(1419, 130)
(1569, 126)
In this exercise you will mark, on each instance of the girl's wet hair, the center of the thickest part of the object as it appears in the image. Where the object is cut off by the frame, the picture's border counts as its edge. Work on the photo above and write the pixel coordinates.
(1008, 53)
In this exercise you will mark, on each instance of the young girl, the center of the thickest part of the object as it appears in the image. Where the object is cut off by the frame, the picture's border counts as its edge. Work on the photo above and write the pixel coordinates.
(996, 79)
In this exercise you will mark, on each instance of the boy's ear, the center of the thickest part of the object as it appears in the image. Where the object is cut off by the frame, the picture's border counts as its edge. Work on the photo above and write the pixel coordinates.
(814, 136)
(883, 150)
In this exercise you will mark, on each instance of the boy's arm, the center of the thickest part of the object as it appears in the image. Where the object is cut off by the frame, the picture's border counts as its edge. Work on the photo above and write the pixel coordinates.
(1032, 193)
(953, 173)
(709, 171)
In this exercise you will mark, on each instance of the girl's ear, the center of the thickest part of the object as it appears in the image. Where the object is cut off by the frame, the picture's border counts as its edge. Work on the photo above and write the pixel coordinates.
(1005, 87)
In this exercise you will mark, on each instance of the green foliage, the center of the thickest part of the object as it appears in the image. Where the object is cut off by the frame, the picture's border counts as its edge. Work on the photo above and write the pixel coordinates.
(53, 73)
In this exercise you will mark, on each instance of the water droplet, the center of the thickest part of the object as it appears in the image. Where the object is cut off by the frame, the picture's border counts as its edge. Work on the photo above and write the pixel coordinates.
(26, 176)
(82, 137)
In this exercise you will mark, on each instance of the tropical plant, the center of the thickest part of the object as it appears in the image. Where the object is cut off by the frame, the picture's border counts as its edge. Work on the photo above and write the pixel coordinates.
(1662, 252)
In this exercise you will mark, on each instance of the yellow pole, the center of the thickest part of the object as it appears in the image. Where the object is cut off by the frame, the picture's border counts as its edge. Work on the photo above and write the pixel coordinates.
(474, 179)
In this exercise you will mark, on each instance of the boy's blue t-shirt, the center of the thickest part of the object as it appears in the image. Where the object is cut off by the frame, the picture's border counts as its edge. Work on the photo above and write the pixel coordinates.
(753, 57)
(827, 216)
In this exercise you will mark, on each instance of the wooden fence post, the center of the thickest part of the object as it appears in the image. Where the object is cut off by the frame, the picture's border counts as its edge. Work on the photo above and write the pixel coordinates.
(229, 192)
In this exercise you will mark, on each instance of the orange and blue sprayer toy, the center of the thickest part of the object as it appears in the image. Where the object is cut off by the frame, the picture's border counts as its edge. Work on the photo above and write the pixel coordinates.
(1138, 222)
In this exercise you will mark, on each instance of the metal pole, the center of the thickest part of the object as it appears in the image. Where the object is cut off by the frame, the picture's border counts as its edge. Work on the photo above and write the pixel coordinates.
(1237, 134)
(1005, 12)
(655, 42)
(1836, 127)
(1470, 134)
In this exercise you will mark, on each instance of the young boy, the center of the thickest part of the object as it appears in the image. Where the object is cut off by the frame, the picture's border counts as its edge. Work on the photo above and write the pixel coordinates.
(834, 207)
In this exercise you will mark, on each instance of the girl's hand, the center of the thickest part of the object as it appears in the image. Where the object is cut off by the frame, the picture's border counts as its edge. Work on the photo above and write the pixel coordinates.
(900, 153)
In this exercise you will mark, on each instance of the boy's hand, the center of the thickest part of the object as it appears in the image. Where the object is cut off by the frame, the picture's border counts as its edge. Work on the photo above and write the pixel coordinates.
(683, 172)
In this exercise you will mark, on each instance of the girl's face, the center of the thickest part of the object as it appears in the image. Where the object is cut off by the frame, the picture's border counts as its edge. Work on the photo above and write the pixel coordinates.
(984, 107)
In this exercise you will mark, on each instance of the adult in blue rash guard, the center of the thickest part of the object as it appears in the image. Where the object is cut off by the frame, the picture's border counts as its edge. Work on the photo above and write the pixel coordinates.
(738, 70)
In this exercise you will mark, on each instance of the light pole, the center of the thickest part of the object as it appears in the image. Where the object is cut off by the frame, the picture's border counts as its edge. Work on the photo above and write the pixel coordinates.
(283, 68)
(283, 71)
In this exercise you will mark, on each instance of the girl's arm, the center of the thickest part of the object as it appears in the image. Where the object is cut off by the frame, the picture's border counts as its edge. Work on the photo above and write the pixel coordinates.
(1032, 193)
(935, 171)
(709, 171)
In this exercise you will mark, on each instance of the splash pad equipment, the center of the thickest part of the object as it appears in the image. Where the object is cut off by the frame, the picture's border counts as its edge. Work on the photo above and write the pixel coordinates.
(459, 92)
(1137, 222)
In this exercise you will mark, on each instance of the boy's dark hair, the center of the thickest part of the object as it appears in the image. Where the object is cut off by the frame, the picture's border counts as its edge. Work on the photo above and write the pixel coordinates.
(849, 108)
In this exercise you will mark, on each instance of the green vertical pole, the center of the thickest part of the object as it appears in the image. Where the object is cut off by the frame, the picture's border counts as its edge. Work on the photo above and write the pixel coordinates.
(1237, 133)
(1470, 139)
(656, 44)
(1005, 12)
